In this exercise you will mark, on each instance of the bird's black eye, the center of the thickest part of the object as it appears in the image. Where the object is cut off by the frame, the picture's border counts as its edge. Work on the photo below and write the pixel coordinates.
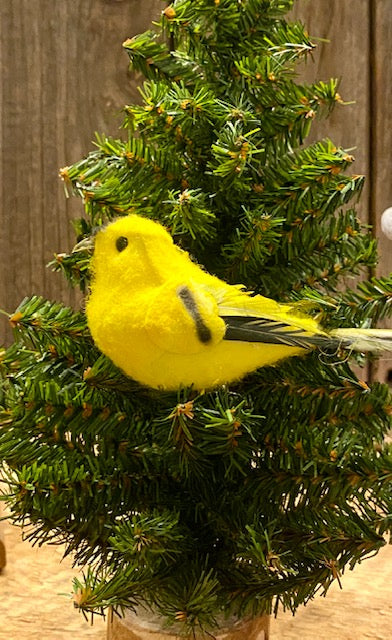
(121, 243)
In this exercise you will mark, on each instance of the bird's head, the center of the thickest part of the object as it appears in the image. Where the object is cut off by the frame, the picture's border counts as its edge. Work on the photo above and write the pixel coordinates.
(131, 249)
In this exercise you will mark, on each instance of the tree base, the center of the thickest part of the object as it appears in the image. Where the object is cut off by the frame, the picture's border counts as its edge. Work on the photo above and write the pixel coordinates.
(133, 627)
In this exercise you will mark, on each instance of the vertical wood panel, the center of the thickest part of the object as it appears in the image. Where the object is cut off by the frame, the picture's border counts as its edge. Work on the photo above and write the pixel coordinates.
(382, 123)
(64, 75)
(381, 135)
(359, 52)
(340, 31)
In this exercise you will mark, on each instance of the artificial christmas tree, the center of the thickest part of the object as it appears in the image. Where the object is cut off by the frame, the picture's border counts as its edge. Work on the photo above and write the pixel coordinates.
(241, 499)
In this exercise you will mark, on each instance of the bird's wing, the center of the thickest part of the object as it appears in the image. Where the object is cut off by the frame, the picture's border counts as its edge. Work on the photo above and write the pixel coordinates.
(263, 320)
(183, 318)
(190, 316)
(256, 329)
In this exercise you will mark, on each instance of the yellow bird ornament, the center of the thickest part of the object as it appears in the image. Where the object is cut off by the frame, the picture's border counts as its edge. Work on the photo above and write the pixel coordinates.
(168, 323)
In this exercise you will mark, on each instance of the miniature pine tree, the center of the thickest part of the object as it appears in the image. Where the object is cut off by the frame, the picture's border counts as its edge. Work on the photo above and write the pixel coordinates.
(250, 496)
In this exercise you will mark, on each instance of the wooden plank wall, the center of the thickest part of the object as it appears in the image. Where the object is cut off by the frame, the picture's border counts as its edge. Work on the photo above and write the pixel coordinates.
(64, 76)
(357, 49)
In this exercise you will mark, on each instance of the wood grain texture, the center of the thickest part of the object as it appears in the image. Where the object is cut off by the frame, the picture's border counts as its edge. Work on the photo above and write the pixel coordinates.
(64, 76)
(340, 31)
(358, 52)
(381, 123)
(381, 138)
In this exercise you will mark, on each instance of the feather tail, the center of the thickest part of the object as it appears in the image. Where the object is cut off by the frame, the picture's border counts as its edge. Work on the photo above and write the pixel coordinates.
(364, 339)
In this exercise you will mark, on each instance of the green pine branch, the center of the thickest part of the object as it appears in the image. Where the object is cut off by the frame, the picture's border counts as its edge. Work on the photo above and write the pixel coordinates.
(258, 494)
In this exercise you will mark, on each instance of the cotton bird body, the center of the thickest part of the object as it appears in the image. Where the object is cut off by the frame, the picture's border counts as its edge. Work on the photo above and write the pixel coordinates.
(168, 323)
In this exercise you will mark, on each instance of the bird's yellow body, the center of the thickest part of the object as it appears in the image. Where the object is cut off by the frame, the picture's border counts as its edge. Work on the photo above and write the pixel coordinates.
(167, 323)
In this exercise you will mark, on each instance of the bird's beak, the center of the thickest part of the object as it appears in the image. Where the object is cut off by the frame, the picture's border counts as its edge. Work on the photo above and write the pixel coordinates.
(86, 246)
